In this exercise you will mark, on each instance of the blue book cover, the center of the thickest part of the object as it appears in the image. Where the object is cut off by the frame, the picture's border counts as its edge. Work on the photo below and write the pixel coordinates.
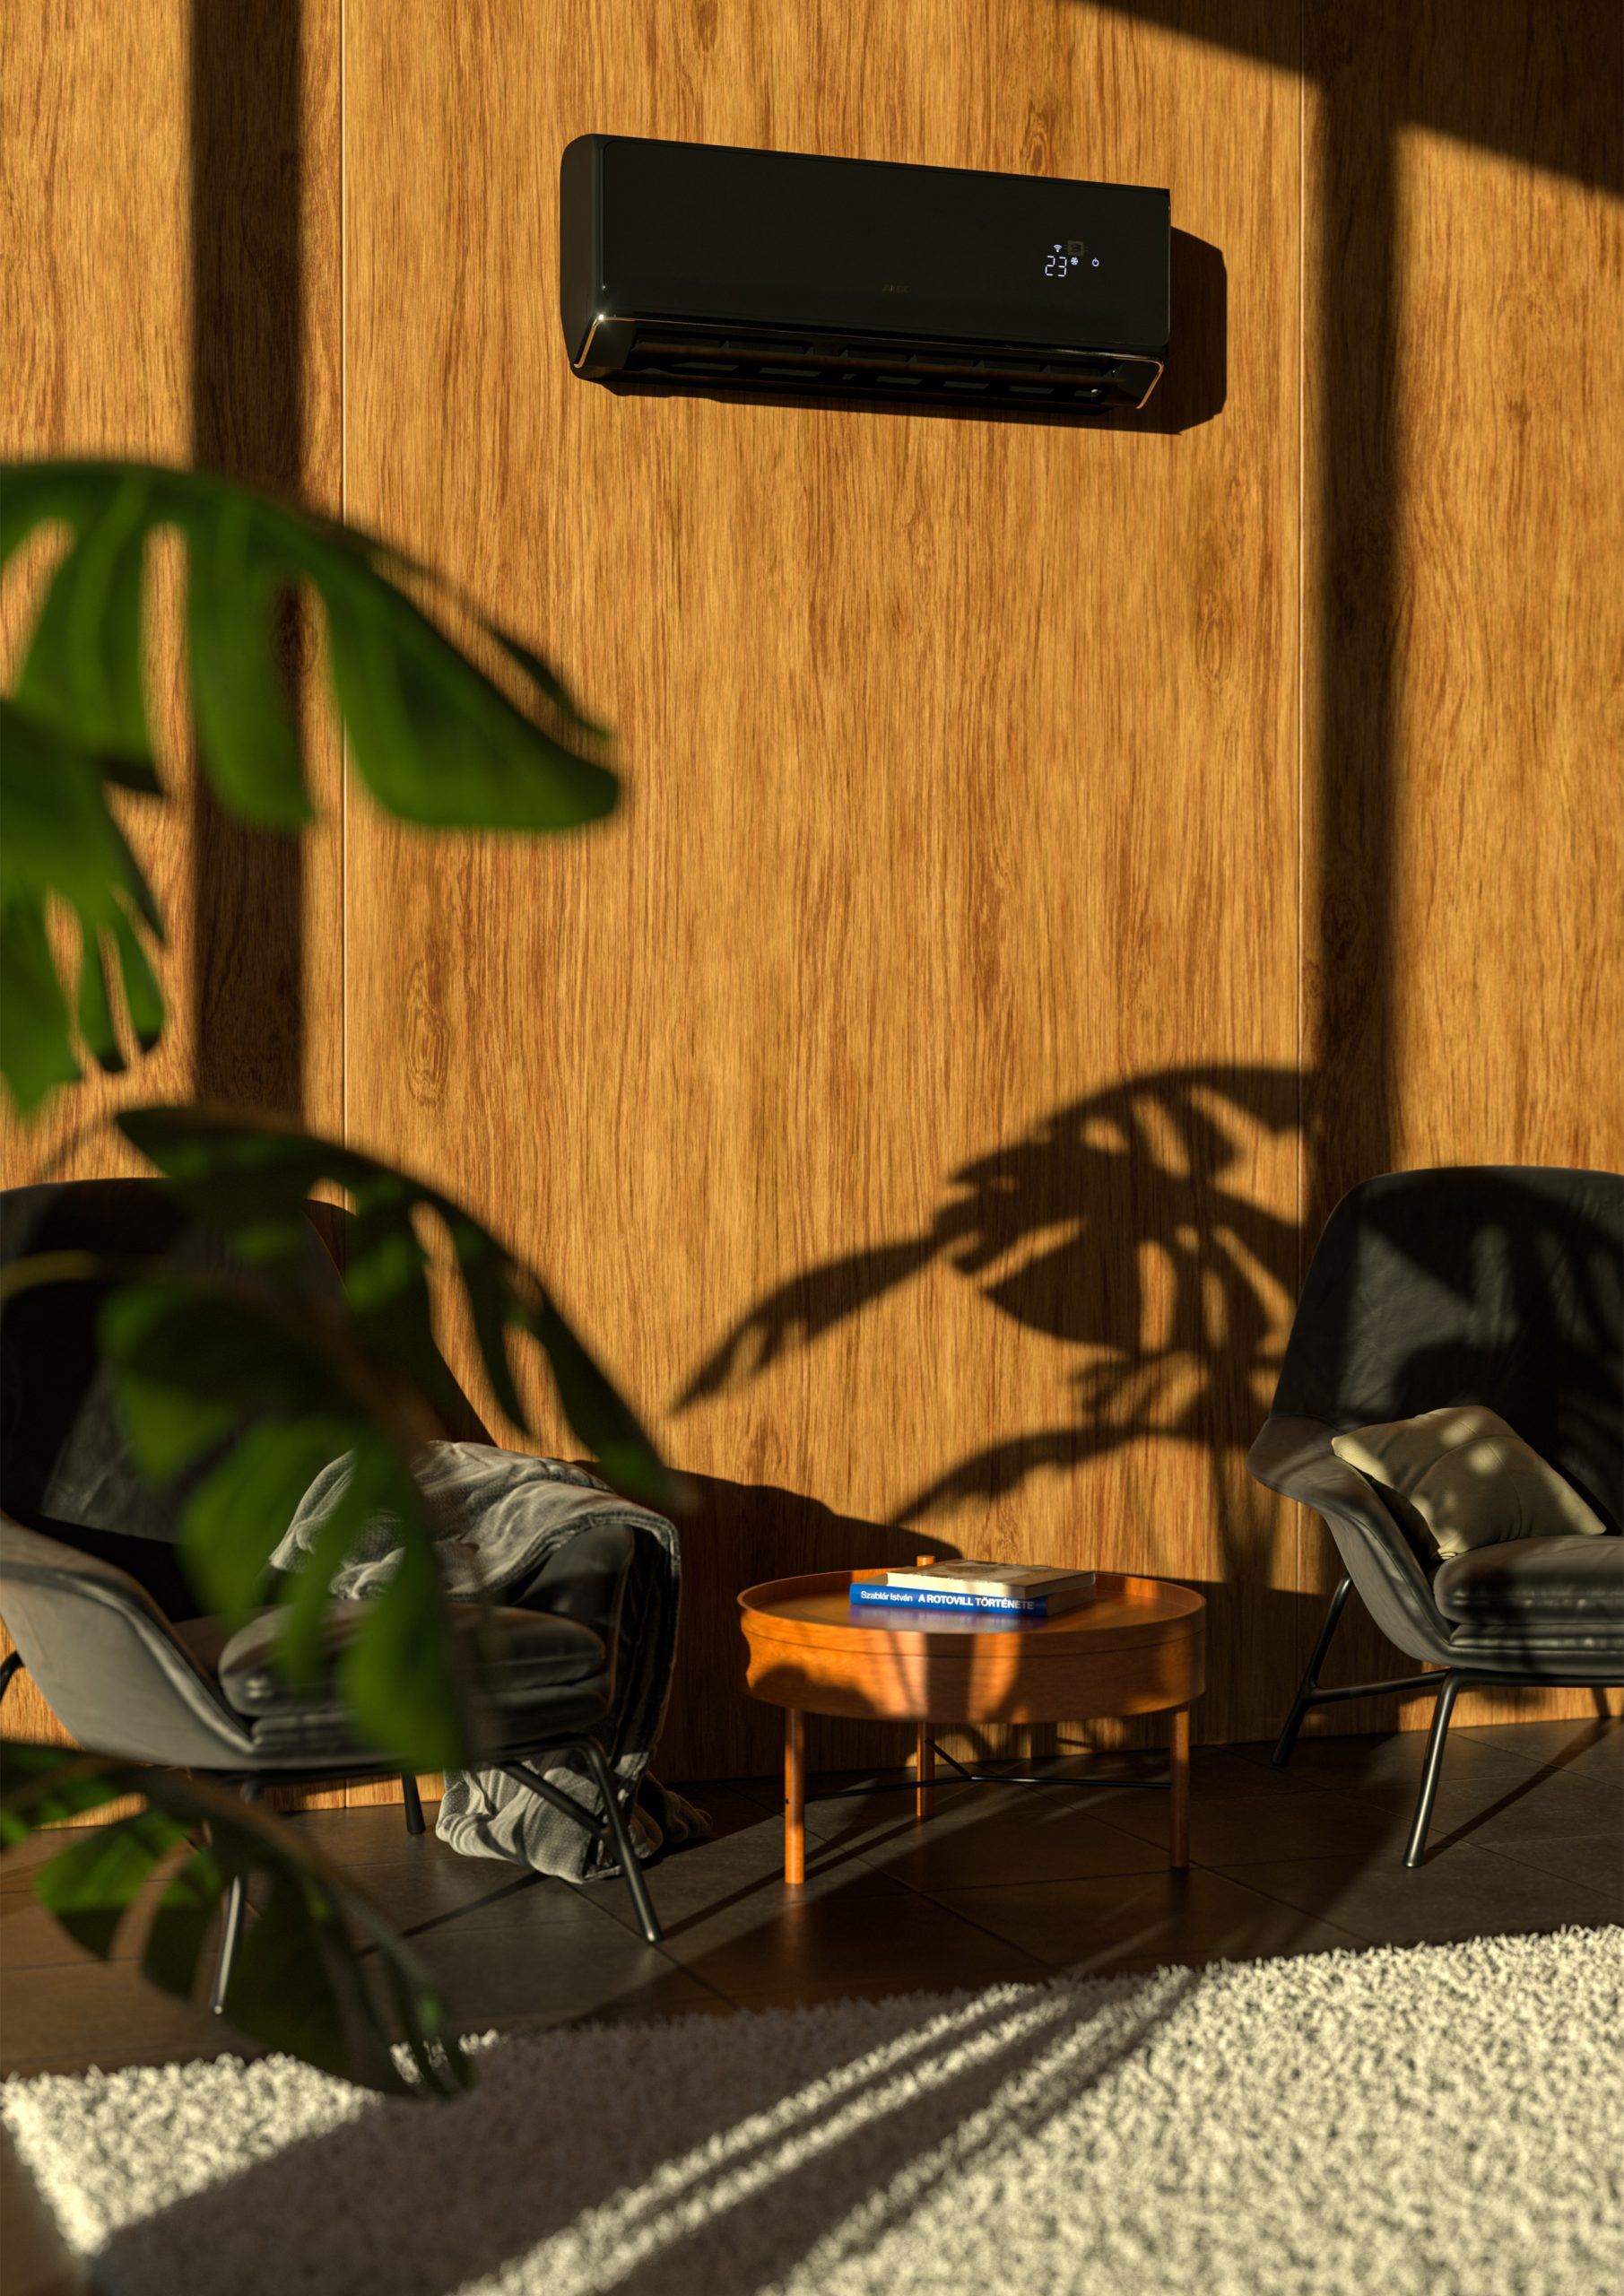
(875, 1591)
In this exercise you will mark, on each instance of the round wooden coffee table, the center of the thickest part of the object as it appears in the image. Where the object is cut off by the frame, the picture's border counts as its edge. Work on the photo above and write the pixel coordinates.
(1138, 1647)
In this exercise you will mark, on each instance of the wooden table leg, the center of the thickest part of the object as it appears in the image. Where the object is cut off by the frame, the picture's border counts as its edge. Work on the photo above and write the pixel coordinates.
(924, 1774)
(1178, 1790)
(794, 1798)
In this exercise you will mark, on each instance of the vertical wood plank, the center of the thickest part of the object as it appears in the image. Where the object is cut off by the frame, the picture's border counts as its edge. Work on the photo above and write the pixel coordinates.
(1464, 501)
(935, 994)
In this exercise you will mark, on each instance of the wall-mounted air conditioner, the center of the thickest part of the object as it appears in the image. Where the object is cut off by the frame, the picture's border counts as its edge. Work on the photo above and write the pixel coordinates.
(703, 267)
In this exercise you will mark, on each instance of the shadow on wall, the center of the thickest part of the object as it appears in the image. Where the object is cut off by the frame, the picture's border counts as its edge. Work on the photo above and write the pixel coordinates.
(1120, 1228)
(1116, 1226)
(249, 970)
(1197, 382)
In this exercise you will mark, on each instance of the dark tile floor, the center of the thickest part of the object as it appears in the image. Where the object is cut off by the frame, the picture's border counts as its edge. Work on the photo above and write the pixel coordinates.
(1002, 1883)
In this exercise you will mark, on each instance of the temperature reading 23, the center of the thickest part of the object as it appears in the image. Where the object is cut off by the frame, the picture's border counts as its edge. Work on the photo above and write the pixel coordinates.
(1063, 260)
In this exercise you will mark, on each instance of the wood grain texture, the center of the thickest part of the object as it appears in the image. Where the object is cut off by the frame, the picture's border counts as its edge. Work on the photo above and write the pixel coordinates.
(1056, 862)
(961, 833)
(1137, 1648)
(122, 340)
(1178, 1789)
(1464, 524)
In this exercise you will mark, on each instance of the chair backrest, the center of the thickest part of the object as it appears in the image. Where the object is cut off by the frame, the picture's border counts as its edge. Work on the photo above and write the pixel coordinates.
(1500, 1284)
(65, 1463)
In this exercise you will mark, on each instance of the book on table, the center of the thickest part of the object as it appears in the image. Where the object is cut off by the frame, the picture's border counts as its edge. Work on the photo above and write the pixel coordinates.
(1007, 1590)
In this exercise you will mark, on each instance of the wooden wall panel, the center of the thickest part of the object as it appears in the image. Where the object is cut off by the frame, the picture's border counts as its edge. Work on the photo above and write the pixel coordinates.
(962, 826)
(1463, 526)
(1056, 862)
(172, 293)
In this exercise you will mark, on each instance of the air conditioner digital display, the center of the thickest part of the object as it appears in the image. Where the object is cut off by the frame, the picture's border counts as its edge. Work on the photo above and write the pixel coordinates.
(1064, 259)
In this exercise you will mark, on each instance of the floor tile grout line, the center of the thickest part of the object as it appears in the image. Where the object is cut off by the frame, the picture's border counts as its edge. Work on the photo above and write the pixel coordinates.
(1508, 1851)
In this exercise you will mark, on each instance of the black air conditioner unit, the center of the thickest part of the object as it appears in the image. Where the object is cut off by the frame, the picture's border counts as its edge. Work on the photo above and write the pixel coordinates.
(709, 267)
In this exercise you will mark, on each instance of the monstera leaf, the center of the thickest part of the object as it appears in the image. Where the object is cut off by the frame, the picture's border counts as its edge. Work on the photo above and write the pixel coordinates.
(252, 1179)
(61, 841)
(436, 740)
(245, 1381)
(299, 1982)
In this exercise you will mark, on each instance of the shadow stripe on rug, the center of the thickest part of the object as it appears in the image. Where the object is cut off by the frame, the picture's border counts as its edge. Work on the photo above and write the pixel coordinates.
(1435, 2117)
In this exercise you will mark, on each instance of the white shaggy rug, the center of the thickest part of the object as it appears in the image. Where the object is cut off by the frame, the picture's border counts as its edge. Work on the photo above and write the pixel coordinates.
(1446, 2120)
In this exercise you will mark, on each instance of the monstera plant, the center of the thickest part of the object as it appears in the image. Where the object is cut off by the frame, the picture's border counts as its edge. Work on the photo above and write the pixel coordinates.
(242, 1380)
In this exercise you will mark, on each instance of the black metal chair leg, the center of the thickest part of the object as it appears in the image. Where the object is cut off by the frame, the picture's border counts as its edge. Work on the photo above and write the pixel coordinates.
(11, 1666)
(624, 1846)
(236, 1902)
(1310, 1681)
(413, 1802)
(1453, 1685)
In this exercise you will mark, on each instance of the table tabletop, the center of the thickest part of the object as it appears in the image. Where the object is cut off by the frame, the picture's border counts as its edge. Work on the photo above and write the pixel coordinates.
(1122, 1612)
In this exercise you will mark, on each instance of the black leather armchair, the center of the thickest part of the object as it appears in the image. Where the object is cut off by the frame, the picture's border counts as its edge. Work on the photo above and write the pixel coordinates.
(93, 1598)
(1496, 1285)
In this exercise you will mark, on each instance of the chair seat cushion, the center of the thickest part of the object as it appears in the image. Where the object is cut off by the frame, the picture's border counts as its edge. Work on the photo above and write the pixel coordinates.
(1573, 1580)
(523, 1658)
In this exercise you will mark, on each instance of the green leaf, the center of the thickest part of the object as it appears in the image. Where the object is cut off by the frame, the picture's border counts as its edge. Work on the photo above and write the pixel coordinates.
(37, 1042)
(252, 1180)
(282, 1974)
(204, 1362)
(84, 671)
(238, 1514)
(399, 1675)
(93, 1885)
(186, 1369)
(96, 1025)
(245, 733)
(142, 997)
(47, 1786)
(436, 741)
(179, 1928)
(62, 845)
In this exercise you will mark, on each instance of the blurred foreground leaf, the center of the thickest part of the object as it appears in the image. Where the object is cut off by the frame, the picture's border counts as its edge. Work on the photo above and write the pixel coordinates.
(252, 1179)
(434, 739)
(300, 1982)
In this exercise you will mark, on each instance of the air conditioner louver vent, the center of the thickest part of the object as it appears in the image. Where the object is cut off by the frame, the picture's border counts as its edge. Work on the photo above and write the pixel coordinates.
(857, 368)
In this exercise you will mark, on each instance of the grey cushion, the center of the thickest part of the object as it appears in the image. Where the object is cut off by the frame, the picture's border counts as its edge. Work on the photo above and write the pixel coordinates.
(1569, 1582)
(522, 1655)
(1470, 1477)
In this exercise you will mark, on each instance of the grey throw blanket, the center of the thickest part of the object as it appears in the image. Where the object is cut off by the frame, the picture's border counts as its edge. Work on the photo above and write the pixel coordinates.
(503, 1515)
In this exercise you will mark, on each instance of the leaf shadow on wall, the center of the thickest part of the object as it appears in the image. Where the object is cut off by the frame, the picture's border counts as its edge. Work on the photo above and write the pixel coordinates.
(1059, 1230)
(1120, 1227)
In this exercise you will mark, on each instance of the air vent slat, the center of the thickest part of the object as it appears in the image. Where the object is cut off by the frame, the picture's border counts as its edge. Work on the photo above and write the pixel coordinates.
(769, 349)
(842, 366)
